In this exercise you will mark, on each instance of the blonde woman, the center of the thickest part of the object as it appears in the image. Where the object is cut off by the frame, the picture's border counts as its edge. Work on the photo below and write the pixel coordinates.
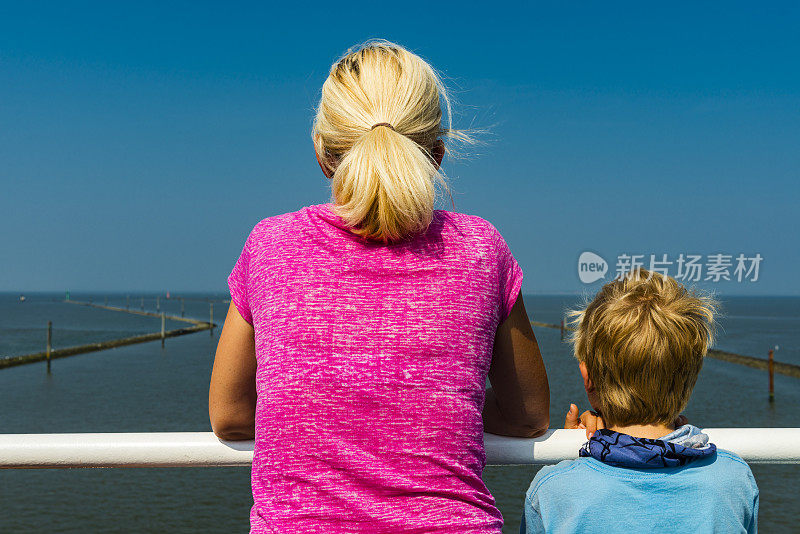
(361, 332)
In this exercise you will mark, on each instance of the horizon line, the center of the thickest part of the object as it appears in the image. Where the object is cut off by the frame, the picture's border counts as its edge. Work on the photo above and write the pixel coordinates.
(139, 292)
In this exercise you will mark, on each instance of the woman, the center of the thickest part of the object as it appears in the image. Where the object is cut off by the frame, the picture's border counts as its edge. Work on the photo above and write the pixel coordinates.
(361, 332)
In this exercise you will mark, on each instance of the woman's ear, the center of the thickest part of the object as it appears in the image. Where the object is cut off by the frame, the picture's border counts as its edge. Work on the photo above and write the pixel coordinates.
(325, 170)
(438, 153)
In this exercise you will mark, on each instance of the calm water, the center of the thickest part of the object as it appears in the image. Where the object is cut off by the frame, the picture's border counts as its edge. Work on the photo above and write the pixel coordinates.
(142, 388)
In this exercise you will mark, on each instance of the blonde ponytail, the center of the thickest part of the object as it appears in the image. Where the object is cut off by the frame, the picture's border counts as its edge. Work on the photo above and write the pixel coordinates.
(378, 124)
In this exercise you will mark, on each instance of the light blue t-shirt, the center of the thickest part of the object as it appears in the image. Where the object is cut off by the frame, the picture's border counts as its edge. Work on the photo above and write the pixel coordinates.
(709, 495)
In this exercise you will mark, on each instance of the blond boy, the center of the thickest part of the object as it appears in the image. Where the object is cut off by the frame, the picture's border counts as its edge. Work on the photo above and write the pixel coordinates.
(640, 346)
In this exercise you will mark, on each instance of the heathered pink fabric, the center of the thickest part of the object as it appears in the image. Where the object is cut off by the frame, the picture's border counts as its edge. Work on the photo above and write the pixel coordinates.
(372, 363)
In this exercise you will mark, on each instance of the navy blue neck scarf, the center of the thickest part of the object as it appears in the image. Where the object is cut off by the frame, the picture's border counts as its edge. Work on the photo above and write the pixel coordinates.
(622, 450)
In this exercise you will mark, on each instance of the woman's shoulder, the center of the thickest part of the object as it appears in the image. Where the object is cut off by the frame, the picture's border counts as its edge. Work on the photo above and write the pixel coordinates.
(273, 226)
(471, 225)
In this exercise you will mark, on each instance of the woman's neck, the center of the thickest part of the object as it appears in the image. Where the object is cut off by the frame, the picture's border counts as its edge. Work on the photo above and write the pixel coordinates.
(644, 431)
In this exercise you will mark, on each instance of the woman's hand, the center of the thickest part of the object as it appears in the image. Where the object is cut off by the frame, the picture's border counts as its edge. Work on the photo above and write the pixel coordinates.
(590, 421)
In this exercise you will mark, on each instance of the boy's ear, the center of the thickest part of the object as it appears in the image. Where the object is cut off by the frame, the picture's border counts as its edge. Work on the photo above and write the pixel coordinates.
(587, 382)
(591, 392)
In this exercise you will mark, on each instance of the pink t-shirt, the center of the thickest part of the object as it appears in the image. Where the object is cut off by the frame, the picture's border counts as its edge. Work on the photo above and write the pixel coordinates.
(372, 363)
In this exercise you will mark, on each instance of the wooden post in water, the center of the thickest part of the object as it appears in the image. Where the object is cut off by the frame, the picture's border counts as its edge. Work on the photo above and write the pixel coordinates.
(211, 319)
(163, 320)
(127, 302)
(158, 303)
(182, 306)
(142, 302)
(562, 329)
(49, 342)
(771, 367)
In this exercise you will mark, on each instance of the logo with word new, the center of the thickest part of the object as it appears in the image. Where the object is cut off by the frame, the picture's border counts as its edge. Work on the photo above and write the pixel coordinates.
(591, 267)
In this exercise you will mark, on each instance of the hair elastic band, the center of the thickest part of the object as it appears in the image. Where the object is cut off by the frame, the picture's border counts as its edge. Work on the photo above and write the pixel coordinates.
(383, 124)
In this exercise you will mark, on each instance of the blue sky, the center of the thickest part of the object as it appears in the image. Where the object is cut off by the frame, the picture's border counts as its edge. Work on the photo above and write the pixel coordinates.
(140, 142)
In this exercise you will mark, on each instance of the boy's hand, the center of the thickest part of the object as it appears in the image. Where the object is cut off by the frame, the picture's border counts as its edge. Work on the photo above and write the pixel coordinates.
(587, 420)
(572, 420)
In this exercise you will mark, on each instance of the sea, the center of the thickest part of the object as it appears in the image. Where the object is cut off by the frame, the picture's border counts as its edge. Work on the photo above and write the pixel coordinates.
(147, 388)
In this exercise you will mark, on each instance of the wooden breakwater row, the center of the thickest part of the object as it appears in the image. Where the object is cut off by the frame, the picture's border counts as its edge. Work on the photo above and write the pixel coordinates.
(222, 300)
(157, 299)
(196, 326)
(762, 364)
(787, 369)
(135, 312)
(208, 324)
(93, 347)
(550, 325)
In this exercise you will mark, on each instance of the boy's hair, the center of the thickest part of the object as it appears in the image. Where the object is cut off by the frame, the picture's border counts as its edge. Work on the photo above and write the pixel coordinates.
(643, 339)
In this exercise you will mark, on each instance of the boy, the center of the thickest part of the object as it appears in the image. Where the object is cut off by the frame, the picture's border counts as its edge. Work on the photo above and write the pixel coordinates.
(640, 346)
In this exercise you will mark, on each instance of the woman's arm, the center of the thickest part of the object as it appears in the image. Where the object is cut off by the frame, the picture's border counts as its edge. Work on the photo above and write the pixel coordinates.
(518, 403)
(232, 395)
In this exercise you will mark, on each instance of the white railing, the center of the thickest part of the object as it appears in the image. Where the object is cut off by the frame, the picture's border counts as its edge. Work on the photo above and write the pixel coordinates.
(196, 449)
